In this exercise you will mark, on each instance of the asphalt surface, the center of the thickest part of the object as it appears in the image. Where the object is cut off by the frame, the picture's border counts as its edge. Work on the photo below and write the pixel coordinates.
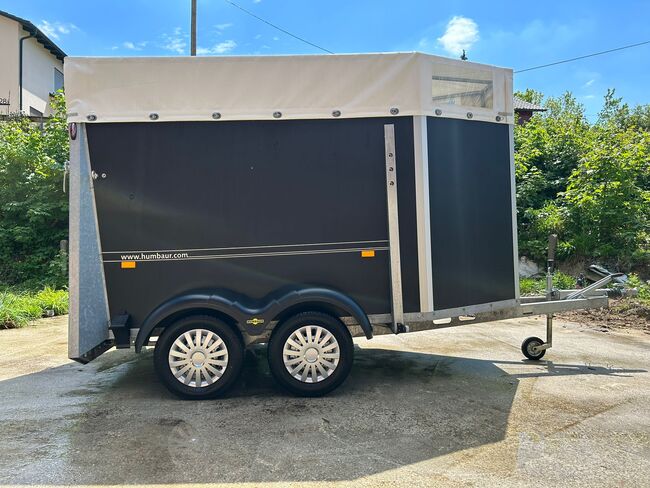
(453, 407)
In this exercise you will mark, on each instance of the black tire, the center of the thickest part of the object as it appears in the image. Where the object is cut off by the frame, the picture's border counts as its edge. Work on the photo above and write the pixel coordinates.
(229, 373)
(338, 374)
(526, 348)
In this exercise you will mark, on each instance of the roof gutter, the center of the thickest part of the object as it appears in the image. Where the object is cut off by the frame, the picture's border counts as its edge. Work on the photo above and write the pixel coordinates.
(20, 70)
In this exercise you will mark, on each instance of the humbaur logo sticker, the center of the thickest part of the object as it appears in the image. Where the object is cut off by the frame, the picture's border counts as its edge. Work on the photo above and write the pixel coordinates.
(255, 321)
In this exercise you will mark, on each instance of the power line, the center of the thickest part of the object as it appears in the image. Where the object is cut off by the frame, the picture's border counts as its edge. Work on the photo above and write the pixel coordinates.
(583, 57)
(277, 27)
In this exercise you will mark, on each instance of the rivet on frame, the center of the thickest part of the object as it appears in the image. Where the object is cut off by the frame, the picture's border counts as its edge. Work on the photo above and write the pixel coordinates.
(216, 115)
(438, 111)
(470, 115)
(277, 115)
(394, 111)
(336, 113)
(154, 116)
(91, 117)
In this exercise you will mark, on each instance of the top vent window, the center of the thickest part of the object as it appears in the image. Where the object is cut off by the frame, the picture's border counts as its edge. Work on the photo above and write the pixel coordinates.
(466, 87)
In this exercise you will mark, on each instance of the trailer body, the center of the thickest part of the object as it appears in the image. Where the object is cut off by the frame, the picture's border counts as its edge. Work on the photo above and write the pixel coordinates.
(376, 188)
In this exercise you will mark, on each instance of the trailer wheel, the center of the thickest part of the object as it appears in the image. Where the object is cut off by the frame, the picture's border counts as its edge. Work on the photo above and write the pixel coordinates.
(198, 357)
(311, 353)
(527, 347)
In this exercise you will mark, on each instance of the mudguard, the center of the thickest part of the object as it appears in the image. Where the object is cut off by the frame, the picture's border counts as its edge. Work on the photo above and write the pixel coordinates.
(252, 317)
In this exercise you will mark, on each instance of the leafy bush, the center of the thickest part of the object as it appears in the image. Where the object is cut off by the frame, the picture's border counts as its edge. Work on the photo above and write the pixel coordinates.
(642, 286)
(54, 300)
(537, 286)
(589, 183)
(17, 309)
(33, 207)
(531, 286)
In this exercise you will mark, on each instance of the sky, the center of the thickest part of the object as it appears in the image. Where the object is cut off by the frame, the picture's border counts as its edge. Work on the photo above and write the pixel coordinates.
(518, 34)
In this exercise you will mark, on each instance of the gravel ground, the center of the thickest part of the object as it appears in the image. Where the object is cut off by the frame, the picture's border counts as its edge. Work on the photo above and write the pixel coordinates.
(454, 407)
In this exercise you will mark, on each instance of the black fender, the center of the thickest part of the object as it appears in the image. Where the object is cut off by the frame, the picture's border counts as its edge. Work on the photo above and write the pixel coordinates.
(327, 296)
(251, 316)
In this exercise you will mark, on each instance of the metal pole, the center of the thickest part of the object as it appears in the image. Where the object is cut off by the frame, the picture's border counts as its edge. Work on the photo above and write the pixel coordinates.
(393, 230)
(193, 41)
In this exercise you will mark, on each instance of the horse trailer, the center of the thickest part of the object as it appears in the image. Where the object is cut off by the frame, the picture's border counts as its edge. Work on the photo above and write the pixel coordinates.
(293, 201)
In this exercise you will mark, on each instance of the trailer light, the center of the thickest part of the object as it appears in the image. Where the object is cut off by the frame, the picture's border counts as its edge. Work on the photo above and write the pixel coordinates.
(368, 253)
(127, 264)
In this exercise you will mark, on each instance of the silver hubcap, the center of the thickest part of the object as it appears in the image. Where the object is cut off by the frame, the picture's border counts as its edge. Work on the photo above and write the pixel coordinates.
(311, 354)
(198, 358)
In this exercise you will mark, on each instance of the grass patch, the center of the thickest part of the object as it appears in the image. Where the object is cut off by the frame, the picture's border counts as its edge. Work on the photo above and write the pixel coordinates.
(643, 288)
(537, 286)
(18, 308)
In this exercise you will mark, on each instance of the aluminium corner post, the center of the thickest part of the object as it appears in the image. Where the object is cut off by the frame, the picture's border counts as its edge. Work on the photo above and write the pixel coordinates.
(397, 306)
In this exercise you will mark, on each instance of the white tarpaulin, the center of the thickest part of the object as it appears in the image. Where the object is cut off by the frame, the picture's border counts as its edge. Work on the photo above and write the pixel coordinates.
(286, 87)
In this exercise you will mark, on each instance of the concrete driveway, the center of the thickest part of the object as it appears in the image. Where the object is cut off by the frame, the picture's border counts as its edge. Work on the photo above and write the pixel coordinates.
(454, 407)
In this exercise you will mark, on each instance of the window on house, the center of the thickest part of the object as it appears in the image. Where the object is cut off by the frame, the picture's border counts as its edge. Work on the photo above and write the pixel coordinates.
(58, 79)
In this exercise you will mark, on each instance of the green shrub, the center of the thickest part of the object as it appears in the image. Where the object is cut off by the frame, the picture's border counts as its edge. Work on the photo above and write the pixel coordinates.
(18, 308)
(537, 286)
(587, 182)
(55, 300)
(643, 286)
(531, 286)
(33, 207)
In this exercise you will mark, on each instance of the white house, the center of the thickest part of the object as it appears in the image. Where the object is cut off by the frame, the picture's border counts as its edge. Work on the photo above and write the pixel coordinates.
(31, 67)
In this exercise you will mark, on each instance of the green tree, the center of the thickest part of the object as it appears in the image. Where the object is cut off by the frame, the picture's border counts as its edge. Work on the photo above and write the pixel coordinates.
(589, 183)
(608, 199)
(33, 207)
(547, 149)
(618, 114)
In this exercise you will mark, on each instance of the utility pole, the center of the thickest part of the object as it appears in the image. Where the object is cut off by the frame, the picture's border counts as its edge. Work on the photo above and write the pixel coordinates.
(193, 41)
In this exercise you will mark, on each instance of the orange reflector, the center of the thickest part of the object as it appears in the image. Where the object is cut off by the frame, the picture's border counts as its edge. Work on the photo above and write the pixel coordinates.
(128, 264)
(369, 253)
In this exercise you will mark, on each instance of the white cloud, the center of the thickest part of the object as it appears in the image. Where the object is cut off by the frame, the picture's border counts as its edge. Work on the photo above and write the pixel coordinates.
(53, 29)
(133, 46)
(221, 27)
(175, 42)
(276, 38)
(220, 48)
(589, 83)
(258, 36)
(461, 33)
(257, 1)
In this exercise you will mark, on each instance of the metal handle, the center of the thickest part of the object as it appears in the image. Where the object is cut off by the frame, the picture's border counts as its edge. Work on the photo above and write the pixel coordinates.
(552, 247)
(66, 170)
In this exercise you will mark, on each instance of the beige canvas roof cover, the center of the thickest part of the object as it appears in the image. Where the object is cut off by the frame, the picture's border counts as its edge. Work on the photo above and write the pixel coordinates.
(286, 87)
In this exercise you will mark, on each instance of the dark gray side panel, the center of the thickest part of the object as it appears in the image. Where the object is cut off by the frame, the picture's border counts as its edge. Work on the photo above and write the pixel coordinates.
(471, 212)
(207, 187)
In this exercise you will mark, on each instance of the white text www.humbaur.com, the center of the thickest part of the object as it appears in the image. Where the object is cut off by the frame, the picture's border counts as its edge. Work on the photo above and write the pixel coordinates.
(154, 255)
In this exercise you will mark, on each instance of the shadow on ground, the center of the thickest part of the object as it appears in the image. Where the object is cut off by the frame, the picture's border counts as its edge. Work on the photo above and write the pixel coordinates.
(116, 424)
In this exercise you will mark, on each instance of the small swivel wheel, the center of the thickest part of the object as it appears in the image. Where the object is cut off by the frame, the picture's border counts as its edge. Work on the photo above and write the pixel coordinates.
(530, 348)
